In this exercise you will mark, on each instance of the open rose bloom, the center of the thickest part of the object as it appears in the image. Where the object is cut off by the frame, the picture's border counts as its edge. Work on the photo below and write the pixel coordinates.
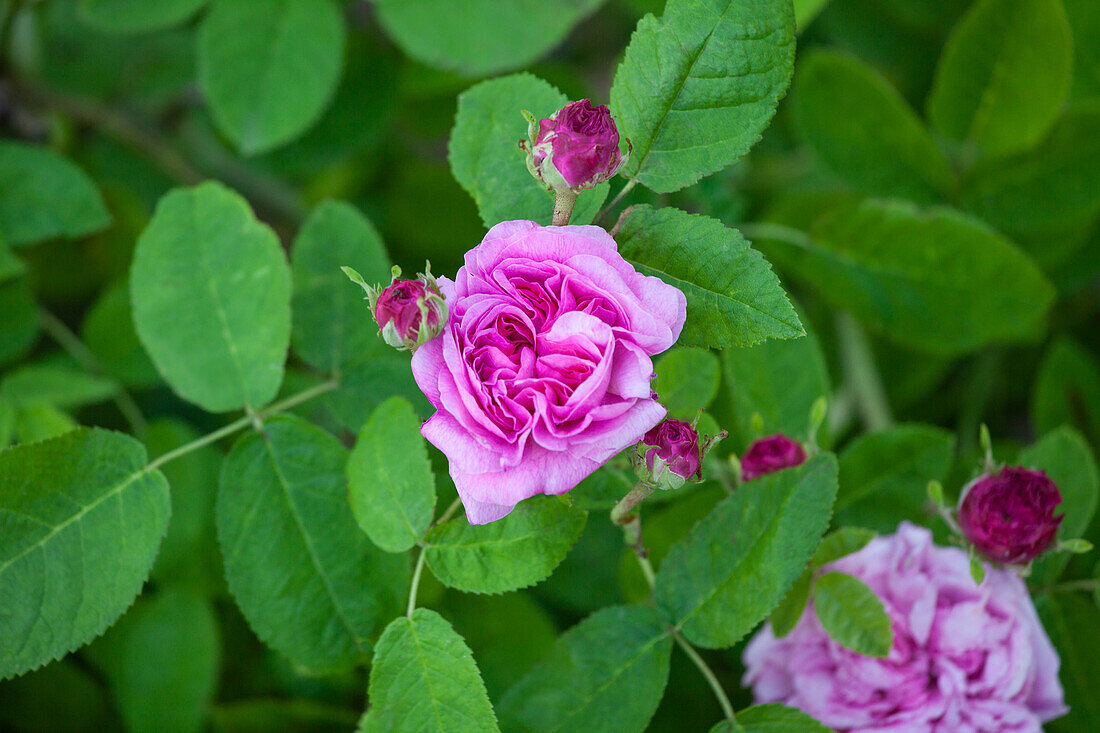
(966, 658)
(542, 372)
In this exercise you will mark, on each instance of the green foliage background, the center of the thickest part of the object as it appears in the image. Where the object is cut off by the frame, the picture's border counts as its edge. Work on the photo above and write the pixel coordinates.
(914, 235)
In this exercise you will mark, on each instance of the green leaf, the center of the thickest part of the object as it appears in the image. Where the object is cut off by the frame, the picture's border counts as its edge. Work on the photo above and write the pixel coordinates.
(1067, 390)
(19, 326)
(1074, 626)
(10, 265)
(366, 384)
(514, 552)
(1004, 74)
(852, 614)
(742, 559)
(838, 100)
(841, 542)
(733, 297)
(424, 678)
(698, 86)
(955, 287)
(308, 581)
(806, 10)
(176, 627)
(333, 324)
(56, 385)
(1066, 458)
(108, 332)
(273, 714)
(390, 480)
(485, 157)
(606, 673)
(43, 196)
(269, 68)
(777, 380)
(480, 37)
(687, 381)
(786, 615)
(1084, 21)
(771, 718)
(81, 518)
(61, 697)
(39, 421)
(211, 296)
(884, 475)
(137, 16)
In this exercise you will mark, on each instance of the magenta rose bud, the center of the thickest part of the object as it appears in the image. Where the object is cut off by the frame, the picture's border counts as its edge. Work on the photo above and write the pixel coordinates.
(1009, 516)
(674, 455)
(542, 371)
(575, 148)
(408, 313)
(771, 454)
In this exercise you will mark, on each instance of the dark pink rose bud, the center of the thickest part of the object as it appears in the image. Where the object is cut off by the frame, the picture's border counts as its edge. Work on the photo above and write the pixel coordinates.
(409, 312)
(771, 454)
(575, 148)
(1009, 516)
(674, 456)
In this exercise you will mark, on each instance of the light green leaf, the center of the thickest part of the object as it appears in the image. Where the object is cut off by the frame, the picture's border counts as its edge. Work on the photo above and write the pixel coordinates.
(838, 101)
(852, 614)
(152, 696)
(806, 10)
(211, 296)
(698, 86)
(366, 384)
(514, 552)
(1004, 74)
(606, 673)
(308, 581)
(480, 37)
(771, 718)
(80, 522)
(43, 196)
(485, 157)
(269, 68)
(955, 287)
(1074, 626)
(884, 475)
(424, 679)
(55, 385)
(137, 16)
(841, 542)
(733, 297)
(687, 381)
(1067, 390)
(333, 324)
(108, 332)
(39, 421)
(390, 479)
(742, 559)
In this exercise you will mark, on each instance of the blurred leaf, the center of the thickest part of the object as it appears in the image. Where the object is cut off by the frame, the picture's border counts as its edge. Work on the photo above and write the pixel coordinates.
(739, 562)
(1004, 74)
(955, 287)
(10, 265)
(1074, 626)
(1084, 21)
(269, 68)
(284, 716)
(884, 475)
(108, 332)
(699, 85)
(43, 196)
(332, 324)
(308, 580)
(852, 614)
(588, 578)
(137, 16)
(390, 480)
(603, 488)
(806, 10)
(425, 679)
(480, 37)
(687, 381)
(366, 384)
(841, 542)
(514, 552)
(485, 156)
(733, 297)
(786, 615)
(61, 698)
(606, 673)
(864, 131)
(40, 421)
(211, 296)
(771, 718)
(1067, 390)
(173, 626)
(53, 384)
(83, 518)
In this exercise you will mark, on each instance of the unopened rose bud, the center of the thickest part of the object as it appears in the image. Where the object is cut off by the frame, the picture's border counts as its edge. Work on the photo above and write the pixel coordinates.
(1009, 516)
(674, 456)
(575, 148)
(771, 454)
(409, 312)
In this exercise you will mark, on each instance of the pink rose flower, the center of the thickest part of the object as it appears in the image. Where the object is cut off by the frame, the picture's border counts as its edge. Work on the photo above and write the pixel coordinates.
(965, 657)
(771, 454)
(1009, 515)
(542, 371)
(575, 148)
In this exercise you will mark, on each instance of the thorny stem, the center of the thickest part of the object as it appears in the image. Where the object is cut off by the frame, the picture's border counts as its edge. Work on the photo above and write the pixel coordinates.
(72, 344)
(422, 557)
(615, 201)
(563, 207)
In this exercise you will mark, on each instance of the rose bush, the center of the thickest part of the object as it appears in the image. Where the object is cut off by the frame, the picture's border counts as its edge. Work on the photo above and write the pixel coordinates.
(543, 370)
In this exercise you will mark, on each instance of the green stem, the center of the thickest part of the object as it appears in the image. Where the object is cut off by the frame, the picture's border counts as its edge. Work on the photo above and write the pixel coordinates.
(708, 673)
(862, 374)
(620, 513)
(564, 201)
(415, 582)
(1073, 585)
(450, 512)
(777, 232)
(615, 201)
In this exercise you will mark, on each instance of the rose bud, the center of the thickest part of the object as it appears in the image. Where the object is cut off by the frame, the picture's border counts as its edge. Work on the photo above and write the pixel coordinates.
(674, 456)
(409, 312)
(1009, 516)
(771, 454)
(575, 148)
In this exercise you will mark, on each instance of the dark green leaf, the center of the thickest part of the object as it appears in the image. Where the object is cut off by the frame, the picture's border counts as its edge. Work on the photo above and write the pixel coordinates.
(687, 381)
(61, 697)
(1067, 390)
(19, 326)
(852, 614)
(56, 385)
(1084, 20)
(771, 718)
(366, 384)
(137, 16)
(108, 332)
(1074, 626)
